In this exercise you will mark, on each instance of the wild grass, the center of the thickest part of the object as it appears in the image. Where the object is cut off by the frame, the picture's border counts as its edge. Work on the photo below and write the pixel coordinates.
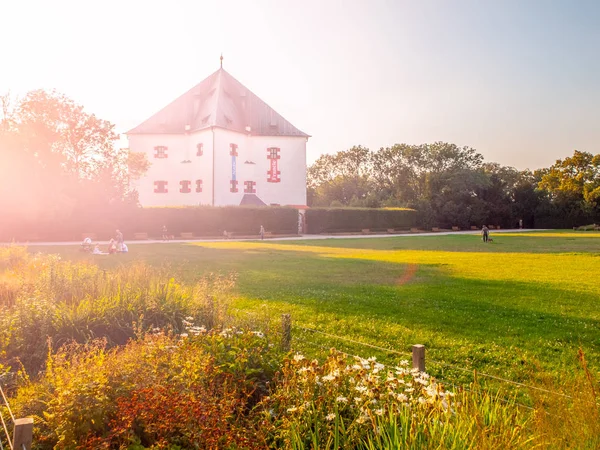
(44, 297)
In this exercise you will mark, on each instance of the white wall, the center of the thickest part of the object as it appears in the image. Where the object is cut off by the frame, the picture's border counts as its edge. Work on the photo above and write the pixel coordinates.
(171, 169)
(291, 190)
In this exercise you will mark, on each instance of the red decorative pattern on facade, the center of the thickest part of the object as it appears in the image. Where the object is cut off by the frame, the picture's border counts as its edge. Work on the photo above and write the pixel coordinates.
(233, 149)
(273, 174)
(160, 187)
(185, 186)
(234, 184)
(250, 187)
(199, 149)
(160, 151)
(198, 185)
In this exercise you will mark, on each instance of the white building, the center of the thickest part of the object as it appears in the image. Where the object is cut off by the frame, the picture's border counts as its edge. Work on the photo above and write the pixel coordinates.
(219, 144)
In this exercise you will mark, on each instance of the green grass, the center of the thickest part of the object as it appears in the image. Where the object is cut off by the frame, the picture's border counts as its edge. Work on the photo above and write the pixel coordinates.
(518, 307)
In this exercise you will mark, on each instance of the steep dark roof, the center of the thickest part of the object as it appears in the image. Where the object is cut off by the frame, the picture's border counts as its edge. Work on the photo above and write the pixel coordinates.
(252, 200)
(218, 101)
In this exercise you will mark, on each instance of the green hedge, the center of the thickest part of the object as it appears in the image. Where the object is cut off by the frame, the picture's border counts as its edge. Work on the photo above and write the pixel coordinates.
(200, 220)
(336, 220)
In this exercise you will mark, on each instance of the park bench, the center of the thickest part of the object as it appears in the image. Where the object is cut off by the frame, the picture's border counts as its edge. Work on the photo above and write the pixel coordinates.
(365, 230)
(391, 230)
(455, 228)
(473, 227)
(414, 230)
(435, 229)
(186, 235)
(140, 236)
(268, 234)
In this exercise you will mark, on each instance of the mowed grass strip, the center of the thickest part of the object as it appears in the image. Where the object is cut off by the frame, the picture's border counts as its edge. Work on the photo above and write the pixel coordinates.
(519, 314)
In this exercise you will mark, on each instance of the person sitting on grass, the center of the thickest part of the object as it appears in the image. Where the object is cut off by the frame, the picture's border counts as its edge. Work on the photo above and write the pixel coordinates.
(86, 245)
(97, 250)
(112, 247)
(119, 240)
(124, 248)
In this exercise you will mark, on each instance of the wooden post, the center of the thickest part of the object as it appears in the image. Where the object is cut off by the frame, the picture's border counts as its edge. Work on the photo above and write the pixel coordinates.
(286, 332)
(23, 434)
(418, 357)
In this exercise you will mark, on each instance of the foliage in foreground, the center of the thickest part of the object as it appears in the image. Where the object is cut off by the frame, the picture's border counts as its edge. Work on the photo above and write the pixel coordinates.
(164, 391)
(160, 391)
(231, 389)
(361, 403)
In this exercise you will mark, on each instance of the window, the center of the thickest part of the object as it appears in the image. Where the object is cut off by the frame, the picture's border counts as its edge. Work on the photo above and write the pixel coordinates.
(250, 187)
(199, 149)
(233, 149)
(273, 153)
(273, 174)
(233, 187)
(160, 187)
(185, 186)
(160, 151)
(198, 185)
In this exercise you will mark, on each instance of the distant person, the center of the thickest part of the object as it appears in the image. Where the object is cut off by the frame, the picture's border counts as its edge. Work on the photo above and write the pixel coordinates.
(86, 245)
(262, 233)
(521, 224)
(119, 240)
(124, 248)
(225, 234)
(97, 250)
(485, 233)
(112, 247)
(165, 235)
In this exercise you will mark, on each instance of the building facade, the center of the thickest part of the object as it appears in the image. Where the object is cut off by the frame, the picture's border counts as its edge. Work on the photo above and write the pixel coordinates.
(219, 144)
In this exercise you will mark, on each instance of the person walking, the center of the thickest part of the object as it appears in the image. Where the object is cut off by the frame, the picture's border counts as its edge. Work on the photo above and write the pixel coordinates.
(485, 233)
(165, 236)
(262, 233)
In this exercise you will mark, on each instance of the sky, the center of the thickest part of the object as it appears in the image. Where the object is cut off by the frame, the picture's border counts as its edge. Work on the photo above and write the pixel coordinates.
(519, 81)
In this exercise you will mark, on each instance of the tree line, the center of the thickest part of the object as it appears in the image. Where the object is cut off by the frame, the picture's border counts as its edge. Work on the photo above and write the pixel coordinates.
(58, 161)
(453, 186)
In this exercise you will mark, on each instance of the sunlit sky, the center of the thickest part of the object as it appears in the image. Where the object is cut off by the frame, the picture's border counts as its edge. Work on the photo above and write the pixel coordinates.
(517, 80)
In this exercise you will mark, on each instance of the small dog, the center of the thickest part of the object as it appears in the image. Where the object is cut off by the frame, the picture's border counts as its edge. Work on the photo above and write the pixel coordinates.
(490, 240)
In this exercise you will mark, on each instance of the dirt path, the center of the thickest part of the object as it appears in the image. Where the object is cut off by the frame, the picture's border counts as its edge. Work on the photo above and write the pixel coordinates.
(299, 238)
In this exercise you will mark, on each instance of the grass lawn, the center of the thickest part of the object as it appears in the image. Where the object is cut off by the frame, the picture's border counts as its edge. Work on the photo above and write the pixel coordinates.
(519, 307)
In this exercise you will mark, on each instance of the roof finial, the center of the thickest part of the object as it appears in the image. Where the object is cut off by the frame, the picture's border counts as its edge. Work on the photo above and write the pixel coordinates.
(221, 58)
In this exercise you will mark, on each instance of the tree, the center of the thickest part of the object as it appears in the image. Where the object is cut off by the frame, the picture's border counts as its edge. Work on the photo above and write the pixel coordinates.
(576, 178)
(57, 157)
(343, 177)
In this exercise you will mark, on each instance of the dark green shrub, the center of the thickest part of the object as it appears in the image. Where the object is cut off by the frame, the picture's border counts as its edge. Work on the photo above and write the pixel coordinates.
(200, 220)
(331, 220)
